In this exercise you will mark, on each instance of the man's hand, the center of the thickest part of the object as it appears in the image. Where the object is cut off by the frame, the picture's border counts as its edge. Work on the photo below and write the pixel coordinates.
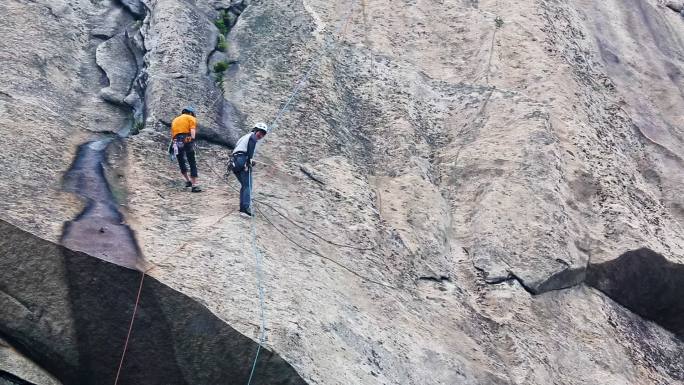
(252, 162)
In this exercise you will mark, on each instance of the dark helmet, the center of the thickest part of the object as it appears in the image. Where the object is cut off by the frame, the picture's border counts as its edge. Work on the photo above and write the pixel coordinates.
(188, 110)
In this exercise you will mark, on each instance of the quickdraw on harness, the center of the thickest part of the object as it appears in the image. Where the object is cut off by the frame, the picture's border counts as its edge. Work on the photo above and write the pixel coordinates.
(178, 144)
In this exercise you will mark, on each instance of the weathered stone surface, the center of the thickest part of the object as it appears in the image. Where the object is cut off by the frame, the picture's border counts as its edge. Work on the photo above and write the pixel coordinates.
(136, 7)
(435, 145)
(645, 283)
(49, 97)
(644, 64)
(179, 39)
(70, 313)
(676, 6)
(7, 378)
(455, 152)
(110, 21)
(17, 369)
(119, 64)
(99, 230)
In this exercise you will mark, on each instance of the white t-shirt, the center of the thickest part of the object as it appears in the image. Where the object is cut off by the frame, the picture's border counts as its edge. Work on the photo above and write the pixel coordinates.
(242, 143)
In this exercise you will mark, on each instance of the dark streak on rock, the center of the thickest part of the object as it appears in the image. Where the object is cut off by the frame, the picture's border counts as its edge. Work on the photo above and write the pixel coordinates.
(311, 176)
(511, 277)
(438, 279)
(86, 178)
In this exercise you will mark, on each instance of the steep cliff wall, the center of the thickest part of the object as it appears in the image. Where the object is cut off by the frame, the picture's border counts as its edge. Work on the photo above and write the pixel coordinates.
(465, 192)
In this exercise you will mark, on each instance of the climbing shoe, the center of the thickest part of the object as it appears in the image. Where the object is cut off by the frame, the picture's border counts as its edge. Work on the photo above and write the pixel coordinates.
(188, 184)
(196, 189)
(246, 213)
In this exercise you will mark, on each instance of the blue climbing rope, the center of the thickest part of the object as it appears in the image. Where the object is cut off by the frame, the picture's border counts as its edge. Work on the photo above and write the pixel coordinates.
(257, 254)
(259, 277)
(315, 63)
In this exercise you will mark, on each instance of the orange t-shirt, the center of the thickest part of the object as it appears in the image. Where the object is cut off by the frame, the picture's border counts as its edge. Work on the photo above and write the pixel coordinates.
(183, 124)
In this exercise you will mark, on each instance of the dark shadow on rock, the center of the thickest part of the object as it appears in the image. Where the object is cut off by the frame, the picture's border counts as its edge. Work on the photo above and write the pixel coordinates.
(10, 379)
(70, 312)
(562, 280)
(647, 284)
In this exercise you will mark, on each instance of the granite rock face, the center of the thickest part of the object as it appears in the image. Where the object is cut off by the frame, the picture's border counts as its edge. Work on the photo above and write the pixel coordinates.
(460, 193)
(179, 39)
(676, 6)
(115, 59)
(70, 313)
(647, 284)
(18, 369)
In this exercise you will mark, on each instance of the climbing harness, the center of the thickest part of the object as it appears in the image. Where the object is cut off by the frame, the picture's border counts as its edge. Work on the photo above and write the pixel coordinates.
(179, 142)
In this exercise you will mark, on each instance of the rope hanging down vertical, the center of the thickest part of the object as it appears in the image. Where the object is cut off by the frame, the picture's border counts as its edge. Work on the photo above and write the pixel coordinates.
(130, 326)
(316, 62)
(257, 254)
(259, 262)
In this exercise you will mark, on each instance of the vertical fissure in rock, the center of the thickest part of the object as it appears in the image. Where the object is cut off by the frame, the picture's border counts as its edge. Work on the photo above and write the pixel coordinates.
(128, 59)
(136, 90)
(100, 229)
(227, 18)
(218, 64)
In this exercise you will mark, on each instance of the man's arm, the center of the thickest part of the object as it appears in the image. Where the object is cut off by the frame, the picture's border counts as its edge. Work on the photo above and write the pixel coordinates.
(192, 133)
(251, 145)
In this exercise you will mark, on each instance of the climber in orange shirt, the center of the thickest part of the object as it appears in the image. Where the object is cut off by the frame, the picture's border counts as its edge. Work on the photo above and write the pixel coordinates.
(183, 131)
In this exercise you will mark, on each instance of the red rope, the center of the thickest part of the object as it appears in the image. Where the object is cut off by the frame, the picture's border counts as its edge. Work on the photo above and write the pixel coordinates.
(130, 327)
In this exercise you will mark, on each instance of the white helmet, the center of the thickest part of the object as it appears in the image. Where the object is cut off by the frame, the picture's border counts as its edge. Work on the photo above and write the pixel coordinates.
(261, 126)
